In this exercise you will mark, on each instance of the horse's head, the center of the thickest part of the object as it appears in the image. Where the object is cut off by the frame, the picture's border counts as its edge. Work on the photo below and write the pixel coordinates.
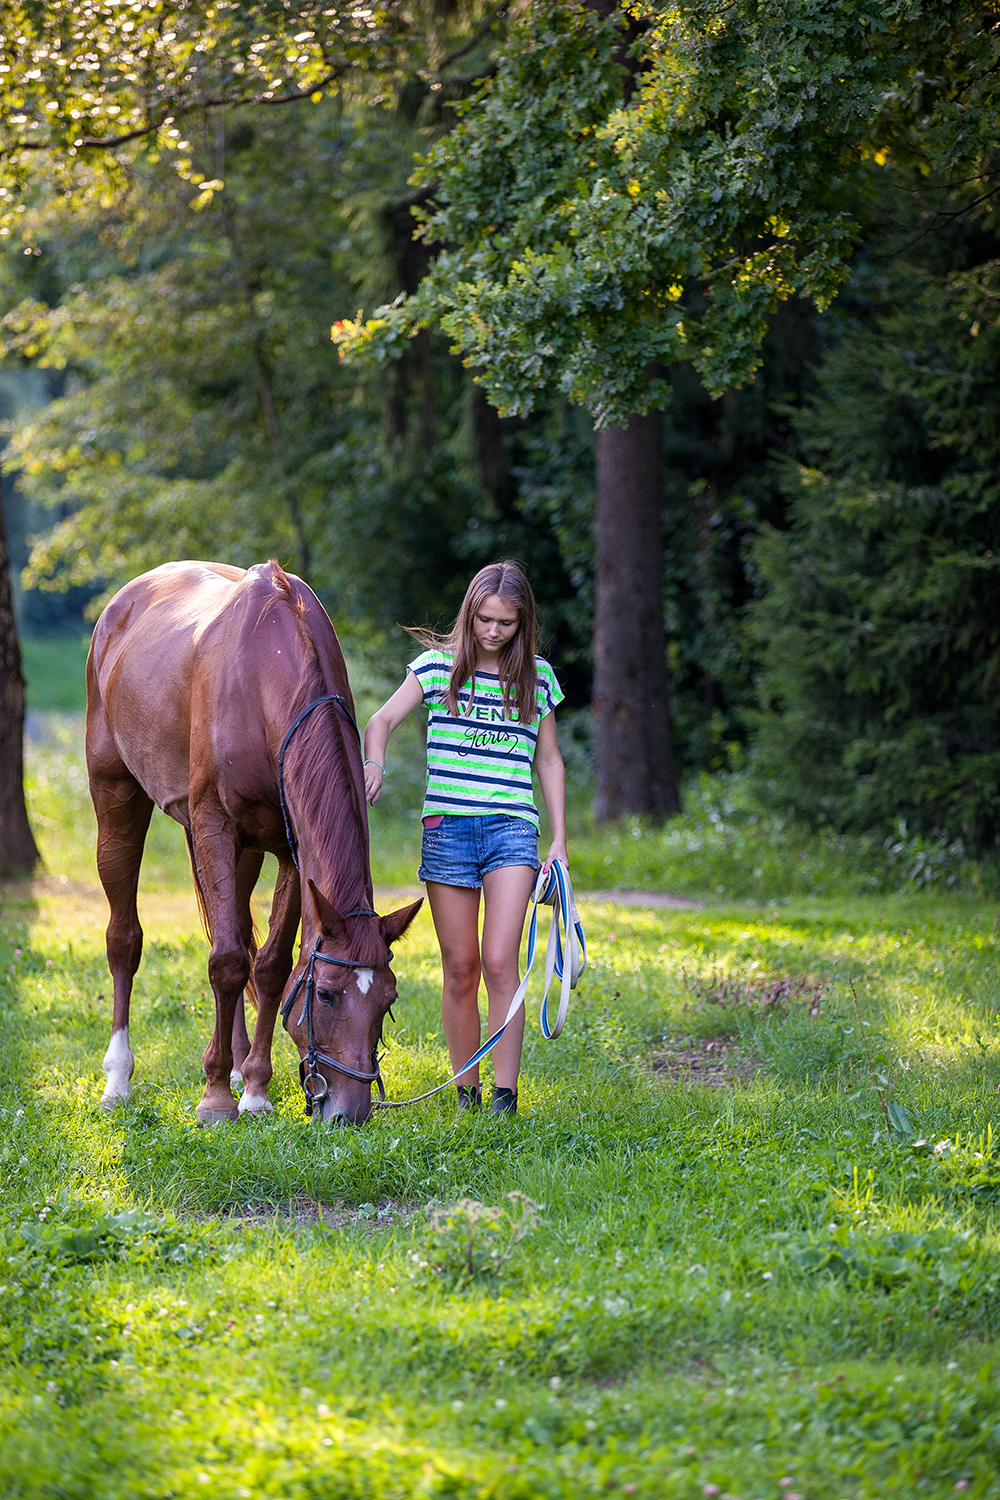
(342, 988)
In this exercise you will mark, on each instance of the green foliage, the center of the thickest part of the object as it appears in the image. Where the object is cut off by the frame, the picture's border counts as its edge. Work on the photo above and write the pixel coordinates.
(72, 1234)
(878, 629)
(201, 410)
(729, 843)
(200, 392)
(948, 1269)
(592, 230)
(969, 1167)
(469, 1240)
(86, 85)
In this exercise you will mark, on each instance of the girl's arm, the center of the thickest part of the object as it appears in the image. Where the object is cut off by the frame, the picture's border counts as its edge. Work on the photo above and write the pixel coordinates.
(552, 779)
(408, 696)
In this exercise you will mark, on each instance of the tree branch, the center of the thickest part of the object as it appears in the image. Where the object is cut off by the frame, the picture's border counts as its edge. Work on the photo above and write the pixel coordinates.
(109, 142)
(313, 88)
(476, 37)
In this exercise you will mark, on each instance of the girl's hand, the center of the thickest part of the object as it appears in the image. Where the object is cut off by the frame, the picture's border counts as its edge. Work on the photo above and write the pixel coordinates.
(556, 851)
(373, 784)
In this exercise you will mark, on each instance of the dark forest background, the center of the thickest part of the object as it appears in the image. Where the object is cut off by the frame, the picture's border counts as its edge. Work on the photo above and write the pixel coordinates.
(831, 532)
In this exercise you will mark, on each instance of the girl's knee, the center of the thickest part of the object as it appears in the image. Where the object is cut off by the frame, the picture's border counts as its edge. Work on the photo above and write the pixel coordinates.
(499, 969)
(462, 973)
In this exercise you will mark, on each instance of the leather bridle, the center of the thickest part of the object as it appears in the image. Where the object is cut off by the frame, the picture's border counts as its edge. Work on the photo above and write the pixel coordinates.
(308, 1072)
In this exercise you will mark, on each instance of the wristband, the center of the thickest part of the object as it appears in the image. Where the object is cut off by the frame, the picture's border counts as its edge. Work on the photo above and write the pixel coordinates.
(373, 762)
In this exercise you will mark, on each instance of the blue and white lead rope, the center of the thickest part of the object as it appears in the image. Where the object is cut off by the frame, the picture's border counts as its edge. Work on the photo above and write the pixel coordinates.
(565, 960)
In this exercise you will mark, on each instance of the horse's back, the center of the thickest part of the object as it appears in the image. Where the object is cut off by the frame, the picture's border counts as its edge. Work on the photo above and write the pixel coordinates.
(141, 668)
(191, 667)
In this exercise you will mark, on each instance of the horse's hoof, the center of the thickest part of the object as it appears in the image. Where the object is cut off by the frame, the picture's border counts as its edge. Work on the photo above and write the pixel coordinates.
(206, 1116)
(110, 1102)
(255, 1105)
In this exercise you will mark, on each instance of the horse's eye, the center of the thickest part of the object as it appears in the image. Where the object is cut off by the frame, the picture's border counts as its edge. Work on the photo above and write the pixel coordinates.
(329, 997)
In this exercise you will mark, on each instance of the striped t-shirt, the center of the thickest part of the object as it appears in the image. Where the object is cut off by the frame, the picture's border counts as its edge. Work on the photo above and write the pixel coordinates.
(480, 762)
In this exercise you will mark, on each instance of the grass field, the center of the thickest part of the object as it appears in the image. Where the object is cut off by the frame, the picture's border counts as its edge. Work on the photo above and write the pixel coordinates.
(740, 1282)
(54, 671)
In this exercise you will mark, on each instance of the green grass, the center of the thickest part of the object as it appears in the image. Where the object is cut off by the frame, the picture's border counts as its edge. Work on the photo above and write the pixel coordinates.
(727, 1287)
(54, 670)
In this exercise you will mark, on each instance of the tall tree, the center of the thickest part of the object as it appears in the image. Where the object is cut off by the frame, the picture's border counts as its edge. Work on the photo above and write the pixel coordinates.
(634, 756)
(589, 233)
(85, 85)
(18, 850)
(93, 97)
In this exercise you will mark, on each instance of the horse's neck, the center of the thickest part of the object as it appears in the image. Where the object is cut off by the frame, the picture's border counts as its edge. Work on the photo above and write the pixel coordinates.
(326, 798)
(336, 858)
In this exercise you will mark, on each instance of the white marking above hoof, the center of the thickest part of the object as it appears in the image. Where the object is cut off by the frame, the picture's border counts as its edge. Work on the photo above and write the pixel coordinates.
(118, 1065)
(255, 1104)
(235, 1076)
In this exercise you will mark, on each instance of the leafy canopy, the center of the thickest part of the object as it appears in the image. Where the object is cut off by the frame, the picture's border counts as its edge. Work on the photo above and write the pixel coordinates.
(635, 189)
(82, 81)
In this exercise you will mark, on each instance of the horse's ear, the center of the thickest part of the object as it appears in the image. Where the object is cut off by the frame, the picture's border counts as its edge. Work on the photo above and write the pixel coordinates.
(331, 923)
(396, 923)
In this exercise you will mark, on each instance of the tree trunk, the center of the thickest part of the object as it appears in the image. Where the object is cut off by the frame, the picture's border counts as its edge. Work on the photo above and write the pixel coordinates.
(635, 760)
(18, 851)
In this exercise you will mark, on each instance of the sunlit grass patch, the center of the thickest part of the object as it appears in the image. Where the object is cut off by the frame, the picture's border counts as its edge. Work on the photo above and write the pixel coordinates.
(706, 1264)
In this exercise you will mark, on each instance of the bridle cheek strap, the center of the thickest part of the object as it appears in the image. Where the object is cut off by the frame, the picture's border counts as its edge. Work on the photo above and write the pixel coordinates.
(309, 1074)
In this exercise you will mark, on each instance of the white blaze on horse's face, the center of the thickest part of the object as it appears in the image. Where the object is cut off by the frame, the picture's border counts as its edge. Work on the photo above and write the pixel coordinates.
(365, 977)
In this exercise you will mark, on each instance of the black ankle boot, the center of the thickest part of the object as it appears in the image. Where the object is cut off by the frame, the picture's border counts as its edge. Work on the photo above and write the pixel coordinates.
(470, 1096)
(504, 1102)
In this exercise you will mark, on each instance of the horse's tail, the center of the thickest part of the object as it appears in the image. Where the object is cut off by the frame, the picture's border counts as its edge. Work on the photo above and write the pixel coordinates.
(206, 925)
(253, 945)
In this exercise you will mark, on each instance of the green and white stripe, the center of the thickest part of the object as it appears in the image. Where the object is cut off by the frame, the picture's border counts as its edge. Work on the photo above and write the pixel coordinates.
(480, 762)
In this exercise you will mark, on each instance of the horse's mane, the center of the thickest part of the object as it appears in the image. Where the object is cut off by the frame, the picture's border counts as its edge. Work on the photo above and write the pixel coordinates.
(319, 776)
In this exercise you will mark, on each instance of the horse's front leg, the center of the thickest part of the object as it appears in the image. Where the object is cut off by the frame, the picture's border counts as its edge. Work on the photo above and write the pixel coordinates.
(214, 856)
(247, 872)
(271, 969)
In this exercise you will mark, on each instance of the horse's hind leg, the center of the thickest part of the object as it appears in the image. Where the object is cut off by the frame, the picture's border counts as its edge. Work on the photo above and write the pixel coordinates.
(123, 812)
(247, 873)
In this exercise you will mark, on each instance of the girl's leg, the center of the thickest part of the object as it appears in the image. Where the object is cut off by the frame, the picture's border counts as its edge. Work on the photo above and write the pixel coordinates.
(507, 892)
(455, 909)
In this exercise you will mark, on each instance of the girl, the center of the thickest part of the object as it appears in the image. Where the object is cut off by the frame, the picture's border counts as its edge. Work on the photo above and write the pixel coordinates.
(490, 701)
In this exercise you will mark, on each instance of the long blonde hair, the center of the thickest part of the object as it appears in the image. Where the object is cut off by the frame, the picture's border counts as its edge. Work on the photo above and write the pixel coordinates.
(517, 671)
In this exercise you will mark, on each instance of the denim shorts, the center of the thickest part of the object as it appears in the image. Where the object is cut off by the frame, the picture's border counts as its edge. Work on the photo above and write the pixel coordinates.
(461, 850)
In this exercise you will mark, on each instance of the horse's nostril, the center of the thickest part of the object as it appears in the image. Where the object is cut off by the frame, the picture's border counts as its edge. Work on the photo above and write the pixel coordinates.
(337, 1118)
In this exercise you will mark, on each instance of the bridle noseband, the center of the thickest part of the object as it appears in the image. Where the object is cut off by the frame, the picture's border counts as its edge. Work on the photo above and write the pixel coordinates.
(308, 1073)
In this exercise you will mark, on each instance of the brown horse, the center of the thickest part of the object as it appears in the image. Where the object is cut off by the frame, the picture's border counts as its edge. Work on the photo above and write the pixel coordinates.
(196, 673)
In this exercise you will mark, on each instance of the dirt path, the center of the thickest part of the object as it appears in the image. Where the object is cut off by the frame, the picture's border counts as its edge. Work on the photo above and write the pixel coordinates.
(658, 899)
(69, 904)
